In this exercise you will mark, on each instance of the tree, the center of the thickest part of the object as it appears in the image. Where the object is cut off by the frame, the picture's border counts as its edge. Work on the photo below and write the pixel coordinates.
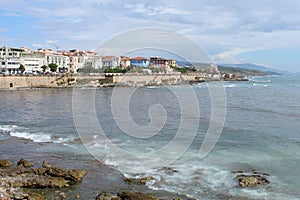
(53, 67)
(22, 68)
(44, 67)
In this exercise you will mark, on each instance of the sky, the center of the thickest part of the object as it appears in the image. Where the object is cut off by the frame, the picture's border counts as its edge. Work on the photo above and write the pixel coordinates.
(260, 31)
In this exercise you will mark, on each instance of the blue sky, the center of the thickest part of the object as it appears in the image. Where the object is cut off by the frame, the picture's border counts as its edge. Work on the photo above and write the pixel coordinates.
(261, 32)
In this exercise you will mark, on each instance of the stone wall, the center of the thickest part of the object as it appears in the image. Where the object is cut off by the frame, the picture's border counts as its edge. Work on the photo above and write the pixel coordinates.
(27, 81)
(142, 80)
(92, 81)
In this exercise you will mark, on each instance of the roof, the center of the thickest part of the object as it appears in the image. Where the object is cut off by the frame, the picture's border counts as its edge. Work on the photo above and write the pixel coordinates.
(108, 58)
(139, 58)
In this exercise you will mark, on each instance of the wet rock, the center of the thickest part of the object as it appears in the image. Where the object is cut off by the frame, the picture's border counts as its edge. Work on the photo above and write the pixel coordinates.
(237, 171)
(63, 195)
(169, 170)
(126, 196)
(5, 163)
(24, 163)
(107, 196)
(12, 179)
(140, 181)
(29, 181)
(252, 179)
(136, 196)
(36, 196)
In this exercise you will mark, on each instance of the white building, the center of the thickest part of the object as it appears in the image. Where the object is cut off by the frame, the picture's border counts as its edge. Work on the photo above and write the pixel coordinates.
(57, 58)
(33, 62)
(10, 66)
(9, 60)
(110, 62)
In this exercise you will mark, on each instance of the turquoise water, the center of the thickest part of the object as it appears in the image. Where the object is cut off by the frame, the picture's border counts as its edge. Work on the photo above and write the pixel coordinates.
(261, 132)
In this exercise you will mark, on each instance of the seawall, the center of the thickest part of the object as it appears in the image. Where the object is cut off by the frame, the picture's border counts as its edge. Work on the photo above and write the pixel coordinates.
(7, 82)
(27, 81)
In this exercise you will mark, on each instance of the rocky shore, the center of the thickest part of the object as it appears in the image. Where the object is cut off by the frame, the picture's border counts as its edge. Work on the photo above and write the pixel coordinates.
(14, 179)
(24, 181)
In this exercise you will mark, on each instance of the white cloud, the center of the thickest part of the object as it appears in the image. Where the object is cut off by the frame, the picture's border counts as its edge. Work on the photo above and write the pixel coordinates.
(226, 29)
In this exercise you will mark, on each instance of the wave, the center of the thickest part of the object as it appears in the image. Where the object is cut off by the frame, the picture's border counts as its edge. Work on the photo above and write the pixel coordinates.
(39, 137)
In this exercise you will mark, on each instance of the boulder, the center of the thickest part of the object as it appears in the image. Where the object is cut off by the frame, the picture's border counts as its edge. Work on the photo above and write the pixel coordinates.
(139, 181)
(107, 196)
(24, 163)
(252, 178)
(5, 163)
(136, 196)
(126, 196)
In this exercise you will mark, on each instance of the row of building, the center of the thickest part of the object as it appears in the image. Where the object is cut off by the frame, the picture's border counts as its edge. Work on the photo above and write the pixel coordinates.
(70, 61)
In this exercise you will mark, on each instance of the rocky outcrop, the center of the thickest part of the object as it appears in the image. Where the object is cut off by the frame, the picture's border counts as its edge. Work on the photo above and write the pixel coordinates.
(5, 163)
(47, 176)
(126, 196)
(251, 179)
(107, 196)
(24, 163)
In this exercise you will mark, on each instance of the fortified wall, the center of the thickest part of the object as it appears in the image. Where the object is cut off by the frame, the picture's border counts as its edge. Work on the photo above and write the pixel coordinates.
(7, 82)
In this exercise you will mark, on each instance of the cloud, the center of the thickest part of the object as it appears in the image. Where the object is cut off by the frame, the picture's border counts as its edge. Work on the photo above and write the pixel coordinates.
(225, 29)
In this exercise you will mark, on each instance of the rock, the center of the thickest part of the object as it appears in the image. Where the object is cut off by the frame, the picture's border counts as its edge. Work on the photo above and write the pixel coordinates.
(13, 179)
(140, 181)
(251, 181)
(24, 163)
(77, 196)
(135, 196)
(169, 170)
(36, 196)
(5, 163)
(106, 196)
(237, 171)
(63, 195)
(46, 165)
(77, 175)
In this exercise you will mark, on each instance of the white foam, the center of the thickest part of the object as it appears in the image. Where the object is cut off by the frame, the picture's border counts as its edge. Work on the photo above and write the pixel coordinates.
(21, 132)
(34, 137)
(8, 128)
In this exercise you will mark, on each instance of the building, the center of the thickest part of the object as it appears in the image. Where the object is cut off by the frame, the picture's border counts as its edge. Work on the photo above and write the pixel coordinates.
(139, 62)
(10, 66)
(7, 53)
(110, 62)
(159, 62)
(33, 62)
(172, 63)
(58, 58)
(124, 62)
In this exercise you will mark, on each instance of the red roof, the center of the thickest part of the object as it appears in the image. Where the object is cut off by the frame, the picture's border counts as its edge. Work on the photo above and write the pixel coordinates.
(138, 58)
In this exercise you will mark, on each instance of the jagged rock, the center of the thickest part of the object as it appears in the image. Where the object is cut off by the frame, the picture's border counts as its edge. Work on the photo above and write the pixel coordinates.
(29, 181)
(169, 170)
(12, 179)
(126, 196)
(46, 165)
(24, 163)
(136, 196)
(5, 163)
(72, 175)
(63, 195)
(252, 178)
(106, 196)
(36, 196)
(141, 181)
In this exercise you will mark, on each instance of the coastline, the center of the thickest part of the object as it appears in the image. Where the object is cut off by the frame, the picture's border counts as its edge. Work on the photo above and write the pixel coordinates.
(105, 80)
(99, 178)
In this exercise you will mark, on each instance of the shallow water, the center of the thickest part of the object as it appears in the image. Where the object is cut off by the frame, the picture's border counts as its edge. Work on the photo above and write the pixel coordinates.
(261, 132)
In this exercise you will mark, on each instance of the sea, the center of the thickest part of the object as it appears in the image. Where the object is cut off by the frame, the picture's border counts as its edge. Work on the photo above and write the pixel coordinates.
(158, 132)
